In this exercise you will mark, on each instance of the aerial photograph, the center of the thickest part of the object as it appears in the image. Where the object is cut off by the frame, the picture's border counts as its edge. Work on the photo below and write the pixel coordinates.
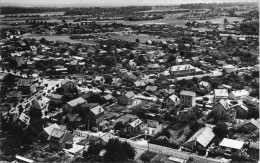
(129, 81)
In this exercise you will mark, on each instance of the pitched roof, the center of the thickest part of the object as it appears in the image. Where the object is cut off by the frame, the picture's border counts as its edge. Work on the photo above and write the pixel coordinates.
(43, 101)
(76, 102)
(139, 83)
(151, 88)
(49, 129)
(108, 97)
(241, 106)
(25, 82)
(174, 98)
(106, 137)
(130, 94)
(58, 133)
(221, 92)
(203, 136)
(203, 83)
(242, 92)
(55, 96)
(188, 93)
(252, 121)
(135, 122)
(182, 67)
(72, 117)
(24, 118)
(155, 65)
(235, 144)
(65, 81)
(97, 110)
(223, 103)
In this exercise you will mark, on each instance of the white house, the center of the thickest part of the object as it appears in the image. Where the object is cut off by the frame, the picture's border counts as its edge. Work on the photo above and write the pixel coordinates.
(172, 101)
(220, 94)
(229, 68)
(238, 94)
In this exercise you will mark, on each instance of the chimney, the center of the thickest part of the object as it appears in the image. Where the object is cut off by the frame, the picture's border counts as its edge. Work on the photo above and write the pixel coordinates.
(100, 109)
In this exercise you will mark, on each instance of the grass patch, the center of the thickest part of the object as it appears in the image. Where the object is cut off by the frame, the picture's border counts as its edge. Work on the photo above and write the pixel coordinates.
(147, 156)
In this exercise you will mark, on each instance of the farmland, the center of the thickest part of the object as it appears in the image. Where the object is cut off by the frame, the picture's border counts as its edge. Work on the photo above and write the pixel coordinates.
(220, 20)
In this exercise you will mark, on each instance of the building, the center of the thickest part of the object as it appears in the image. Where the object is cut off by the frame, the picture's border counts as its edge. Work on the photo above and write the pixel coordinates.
(69, 106)
(229, 68)
(96, 115)
(256, 67)
(204, 84)
(220, 94)
(58, 138)
(238, 94)
(241, 111)
(201, 139)
(101, 140)
(126, 99)
(253, 150)
(134, 127)
(153, 66)
(68, 84)
(182, 70)
(55, 98)
(15, 95)
(251, 124)
(26, 85)
(251, 100)
(48, 130)
(41, 103)
(172, 101)
(34, 50)
(221, 107)
(231, 145)
(187, 98)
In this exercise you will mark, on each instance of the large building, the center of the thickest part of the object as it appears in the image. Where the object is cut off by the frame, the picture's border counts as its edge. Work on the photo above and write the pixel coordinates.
(182, 70)
(187, 98)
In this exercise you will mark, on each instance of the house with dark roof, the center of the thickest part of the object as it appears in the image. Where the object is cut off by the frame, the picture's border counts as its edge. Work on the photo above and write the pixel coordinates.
(26, 85)
(101, 140)
(56, 98)
(58, 138)
(251, 124)
(126, 99)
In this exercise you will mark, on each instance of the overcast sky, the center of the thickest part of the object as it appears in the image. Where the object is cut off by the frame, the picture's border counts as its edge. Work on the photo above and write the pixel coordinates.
(85, 3)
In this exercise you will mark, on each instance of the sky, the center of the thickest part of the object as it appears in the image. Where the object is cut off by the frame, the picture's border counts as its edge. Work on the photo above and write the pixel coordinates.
(86, 3)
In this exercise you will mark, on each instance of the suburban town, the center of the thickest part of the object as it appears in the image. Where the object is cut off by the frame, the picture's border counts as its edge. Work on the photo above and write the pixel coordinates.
(175, 84)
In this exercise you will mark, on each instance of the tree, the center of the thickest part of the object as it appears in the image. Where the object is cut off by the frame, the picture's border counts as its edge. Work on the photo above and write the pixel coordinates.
(9, 79)
(119, 125)
(108, 79)
(137, 40)
(221, 130)
(117, 151)
(94, 149)
(171, 59)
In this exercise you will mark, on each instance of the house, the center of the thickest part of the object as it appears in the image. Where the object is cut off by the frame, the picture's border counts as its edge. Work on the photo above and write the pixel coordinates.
(96, 115)
(251, 124)
(34, 50)
(204, 85)
(153, 66)
(253, 150)
(48, 130)
(229, 68)
(26, 85)
(126, 118)
(231, 145)
(73, 119)
(21, 120)
(108, 98)
(151, 128)
(251, 100)
(68, 84)
(187, 98)
(182, 70)
(201, 139)
(220, 94)
(241, 111)
(101, 140)
(238, 94)
(15, 95)
(140, 83)
(126, 98)
(69, 106)
(172, 101)
(58, 138)
(256, 67)
(151, 88)
(55, 98)
(221, 107)
(41, 103)
(134, 127)
(129, 76)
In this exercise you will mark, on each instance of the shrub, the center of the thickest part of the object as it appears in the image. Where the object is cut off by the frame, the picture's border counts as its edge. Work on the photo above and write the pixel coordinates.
(147, 156)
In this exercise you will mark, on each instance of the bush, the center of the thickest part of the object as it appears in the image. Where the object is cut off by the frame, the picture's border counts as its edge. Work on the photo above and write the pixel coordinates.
(147, 156)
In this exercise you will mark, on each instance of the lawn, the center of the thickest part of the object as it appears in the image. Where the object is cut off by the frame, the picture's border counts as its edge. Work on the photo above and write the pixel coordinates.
(132, 37)
(160, 21)
(220, 20)
(63, 38)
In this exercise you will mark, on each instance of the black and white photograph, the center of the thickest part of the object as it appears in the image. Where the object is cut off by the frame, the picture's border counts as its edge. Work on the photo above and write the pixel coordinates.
(129, 81)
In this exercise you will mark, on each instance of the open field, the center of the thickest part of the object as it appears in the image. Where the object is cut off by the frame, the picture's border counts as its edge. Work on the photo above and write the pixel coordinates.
(63, 38)
(41, 14)
(142, 37)
(220, 20)
(17, 26)
(160, 21)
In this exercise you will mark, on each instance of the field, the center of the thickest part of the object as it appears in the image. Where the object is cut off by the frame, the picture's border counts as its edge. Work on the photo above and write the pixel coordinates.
(160, 21)
(220, 20)
(17, 26)
(64, 38)
(142, 37)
